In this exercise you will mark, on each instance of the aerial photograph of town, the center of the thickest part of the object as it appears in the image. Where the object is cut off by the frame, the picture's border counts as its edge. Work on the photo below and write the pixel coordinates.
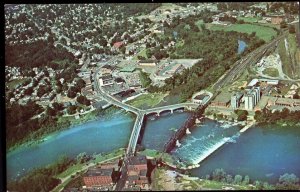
(152, 96)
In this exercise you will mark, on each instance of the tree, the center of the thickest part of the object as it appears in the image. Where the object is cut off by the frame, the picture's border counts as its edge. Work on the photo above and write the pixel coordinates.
(246, 180)
(229, 179)
(218, 174)
(283, 24)
(71, 94)
(238, 179)
(242, 114)
(292, 29)
(83, 100)
(50, 111)
(71, 109)
(288, 179)
(80, 83)
(28, 91)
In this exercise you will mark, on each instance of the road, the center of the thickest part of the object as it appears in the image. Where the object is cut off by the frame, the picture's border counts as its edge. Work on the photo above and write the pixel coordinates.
(241, 64)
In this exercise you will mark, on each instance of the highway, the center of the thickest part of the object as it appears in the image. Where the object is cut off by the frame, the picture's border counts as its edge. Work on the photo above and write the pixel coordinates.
(249, 59)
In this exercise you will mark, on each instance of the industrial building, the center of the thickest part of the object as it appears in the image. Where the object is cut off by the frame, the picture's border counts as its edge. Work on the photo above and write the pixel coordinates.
(252, 97)
(235, 100)
(106, 80)
(200, 99)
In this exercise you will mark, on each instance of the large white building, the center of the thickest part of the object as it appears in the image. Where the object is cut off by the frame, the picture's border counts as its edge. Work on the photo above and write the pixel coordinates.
(235, 100)
(252, 97)
(249, 101)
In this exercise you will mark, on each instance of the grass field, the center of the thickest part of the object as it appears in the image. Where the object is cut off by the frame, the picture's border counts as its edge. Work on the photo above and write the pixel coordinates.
(156, 154)
(290, 59)
(141, 53)
(199, 22)
(148, 100)
(271, 72)
(262, 32)
(16, 82)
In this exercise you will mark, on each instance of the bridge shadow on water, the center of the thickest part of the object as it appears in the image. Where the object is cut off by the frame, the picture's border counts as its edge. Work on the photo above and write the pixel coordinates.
(152, 117)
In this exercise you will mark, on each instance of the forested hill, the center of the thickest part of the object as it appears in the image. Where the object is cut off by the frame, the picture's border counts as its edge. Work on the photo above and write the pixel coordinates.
(37, 54)
(217, 48)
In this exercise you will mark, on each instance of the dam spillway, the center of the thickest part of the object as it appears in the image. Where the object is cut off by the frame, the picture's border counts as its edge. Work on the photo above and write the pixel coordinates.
(204, 140)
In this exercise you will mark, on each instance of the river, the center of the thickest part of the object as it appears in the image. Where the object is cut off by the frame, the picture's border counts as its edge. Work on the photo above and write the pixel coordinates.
(263, 153)
(98, 136)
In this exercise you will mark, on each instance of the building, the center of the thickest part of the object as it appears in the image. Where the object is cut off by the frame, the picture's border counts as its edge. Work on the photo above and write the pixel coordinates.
(200, 99)
(222, 100)
(137, 163)
(105, 71)
(97, 177)
(249, 101)
(257, 93)
(106, 80)
(252, 97)
(118, 45)
(137, 173)
(287, 102)
(235, 100)
(269, 81)
(175, 69)
(151, 63)
(277, 19)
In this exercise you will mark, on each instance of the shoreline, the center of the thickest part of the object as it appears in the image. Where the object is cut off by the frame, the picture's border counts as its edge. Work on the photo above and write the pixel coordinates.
(74, 122)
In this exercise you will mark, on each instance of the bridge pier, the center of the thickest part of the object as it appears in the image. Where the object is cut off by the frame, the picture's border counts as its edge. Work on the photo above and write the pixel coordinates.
(187, 131)
(157, 114)
(178, 143)
(172, 111)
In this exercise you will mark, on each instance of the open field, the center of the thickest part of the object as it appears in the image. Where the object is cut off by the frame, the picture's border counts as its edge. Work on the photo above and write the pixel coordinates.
(149, 100)
(169, 180)
(167, 158)
(262, 32)
(271, 72)
(15, 83)
(141, 53)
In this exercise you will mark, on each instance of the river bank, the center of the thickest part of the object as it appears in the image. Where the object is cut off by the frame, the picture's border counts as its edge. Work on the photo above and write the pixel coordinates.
(64, 123)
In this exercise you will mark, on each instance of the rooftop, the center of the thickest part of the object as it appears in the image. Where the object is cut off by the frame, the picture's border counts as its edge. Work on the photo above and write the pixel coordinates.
(138, 160)
(99, 172)
(201, 97)
(147, 61)
(118, 44)
(106, 77)
(127, 69)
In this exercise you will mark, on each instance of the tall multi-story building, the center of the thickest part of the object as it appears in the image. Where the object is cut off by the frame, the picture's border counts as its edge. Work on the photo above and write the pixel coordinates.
(249, 101)
(257, 89)
(235, 100)
(252, 97)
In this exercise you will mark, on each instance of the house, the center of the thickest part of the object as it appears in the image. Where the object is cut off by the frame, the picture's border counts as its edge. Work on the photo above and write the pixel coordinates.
(97, 177)
(118, 45)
